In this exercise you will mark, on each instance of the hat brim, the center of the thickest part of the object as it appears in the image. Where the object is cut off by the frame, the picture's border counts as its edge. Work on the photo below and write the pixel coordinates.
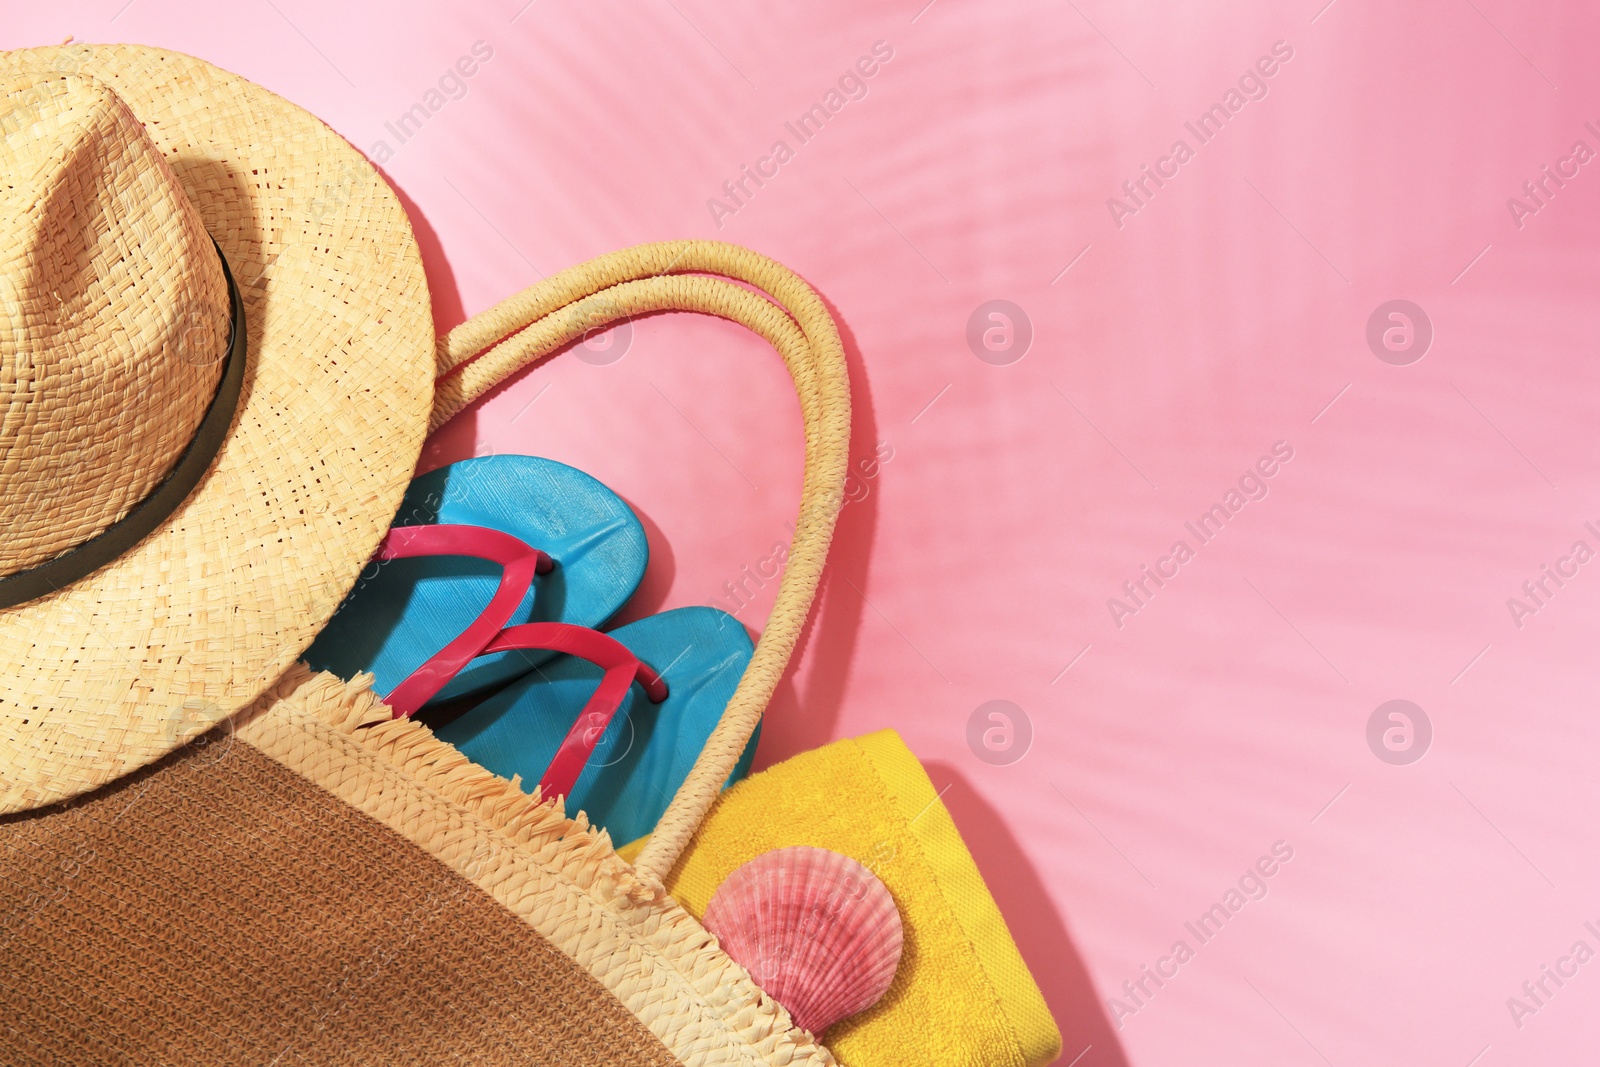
(117, 669)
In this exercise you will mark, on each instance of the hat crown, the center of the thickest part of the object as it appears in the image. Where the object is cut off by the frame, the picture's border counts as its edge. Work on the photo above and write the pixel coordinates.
(114, 316)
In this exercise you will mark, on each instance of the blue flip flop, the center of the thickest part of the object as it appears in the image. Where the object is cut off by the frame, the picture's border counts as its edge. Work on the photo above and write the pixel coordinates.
(402, 611)
(647, 749)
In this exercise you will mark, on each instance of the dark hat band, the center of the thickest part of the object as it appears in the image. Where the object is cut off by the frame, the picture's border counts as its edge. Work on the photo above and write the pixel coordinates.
(153, 510)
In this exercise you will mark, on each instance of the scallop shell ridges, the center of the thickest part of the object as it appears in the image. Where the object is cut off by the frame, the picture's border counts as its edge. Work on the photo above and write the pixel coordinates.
(818, 932)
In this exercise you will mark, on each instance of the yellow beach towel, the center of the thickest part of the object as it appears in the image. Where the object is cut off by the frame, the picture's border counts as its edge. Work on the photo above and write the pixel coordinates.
(962, 995)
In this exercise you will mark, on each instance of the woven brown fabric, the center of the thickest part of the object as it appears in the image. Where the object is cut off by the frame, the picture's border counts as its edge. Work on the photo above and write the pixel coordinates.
(322, 937)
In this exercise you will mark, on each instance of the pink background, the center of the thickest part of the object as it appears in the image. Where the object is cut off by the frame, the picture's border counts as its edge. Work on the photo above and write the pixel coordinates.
(1228, 314)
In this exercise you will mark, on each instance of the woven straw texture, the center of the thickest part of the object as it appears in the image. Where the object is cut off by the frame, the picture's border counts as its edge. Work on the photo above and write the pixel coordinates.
(788, 313)
(558, 875)
(115, 310)
(217, 908)
(203, 615)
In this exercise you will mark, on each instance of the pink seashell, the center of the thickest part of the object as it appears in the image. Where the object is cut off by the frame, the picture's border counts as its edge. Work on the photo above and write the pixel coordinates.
(818, 932)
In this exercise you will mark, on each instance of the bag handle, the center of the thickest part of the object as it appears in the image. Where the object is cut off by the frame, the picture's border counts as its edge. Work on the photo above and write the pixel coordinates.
(778, 305)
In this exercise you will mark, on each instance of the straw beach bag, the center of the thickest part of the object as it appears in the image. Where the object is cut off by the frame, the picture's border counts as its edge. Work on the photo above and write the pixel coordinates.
(315, 881)
(321, 880)
(311, 880)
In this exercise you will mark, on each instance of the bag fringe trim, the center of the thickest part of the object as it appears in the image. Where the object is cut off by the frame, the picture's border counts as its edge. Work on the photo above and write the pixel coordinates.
(557, 873)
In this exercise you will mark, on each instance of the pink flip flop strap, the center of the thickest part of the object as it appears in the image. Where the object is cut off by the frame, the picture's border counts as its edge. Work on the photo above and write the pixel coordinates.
(519, 563)
(488, 634)
(622, 668)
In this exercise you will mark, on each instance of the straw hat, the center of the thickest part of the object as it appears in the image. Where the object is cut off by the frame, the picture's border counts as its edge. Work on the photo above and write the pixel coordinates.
(183, 502)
